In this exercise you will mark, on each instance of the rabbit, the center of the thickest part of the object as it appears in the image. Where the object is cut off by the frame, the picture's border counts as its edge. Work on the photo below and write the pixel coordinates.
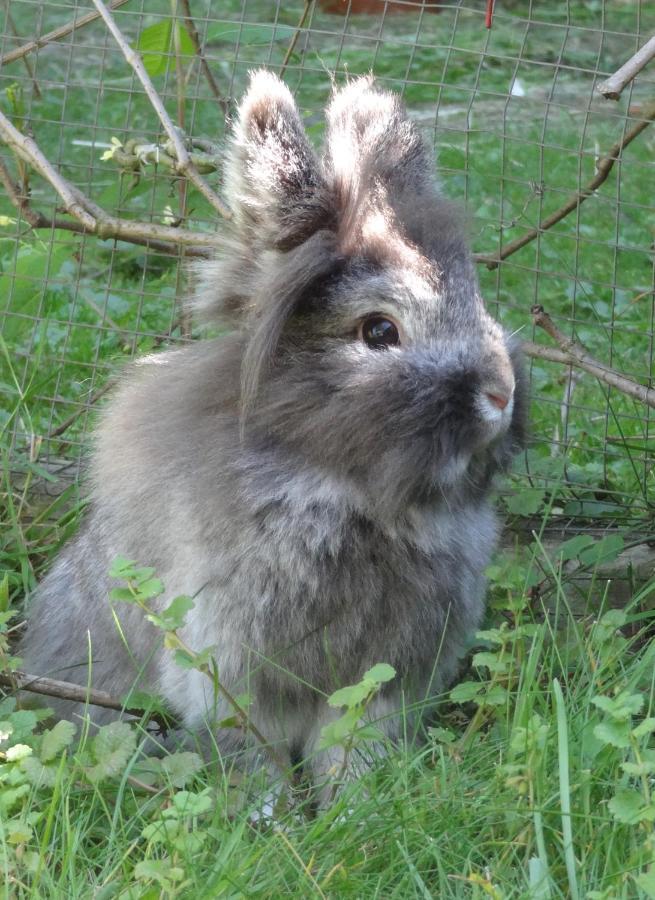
(318, 477)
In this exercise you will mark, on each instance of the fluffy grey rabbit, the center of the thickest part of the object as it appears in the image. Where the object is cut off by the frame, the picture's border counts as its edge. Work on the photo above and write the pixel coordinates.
(318, 478)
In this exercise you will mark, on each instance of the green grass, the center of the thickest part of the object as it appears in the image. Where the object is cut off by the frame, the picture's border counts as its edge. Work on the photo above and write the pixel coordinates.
(483, 809)
(74, 309)
(535, 782)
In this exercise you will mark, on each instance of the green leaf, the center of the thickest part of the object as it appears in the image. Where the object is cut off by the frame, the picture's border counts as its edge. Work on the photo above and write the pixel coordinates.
(248, 35)
(56, 739)
(151, 587)
(627, 805)
(351, 696)
(122, 567)
(572, 548)
(38, 774)
(527, 503)
(190, 804)
(179, 768)
(615, 733)
(122, 595)
(380, 673)
(645, 767)
(161, 831)
(621, 707)
(466, 691)
(644, 728)
(113, 746)
(156, 44)
(491, 661)
(442, 735)
(496, 696)
(184, 659)
(160, 870)
(604, 551)
(646, 881)
(175, 613)
(341, 729)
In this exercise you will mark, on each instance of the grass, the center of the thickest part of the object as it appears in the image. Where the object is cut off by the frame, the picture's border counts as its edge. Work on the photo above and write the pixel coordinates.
(526, 787)
(545, 791)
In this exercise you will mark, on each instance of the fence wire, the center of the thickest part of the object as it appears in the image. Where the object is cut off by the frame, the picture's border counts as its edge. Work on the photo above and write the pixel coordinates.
(519, 129)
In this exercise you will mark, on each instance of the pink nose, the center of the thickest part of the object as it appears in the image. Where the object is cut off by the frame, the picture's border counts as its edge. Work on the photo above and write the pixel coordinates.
(499, 400)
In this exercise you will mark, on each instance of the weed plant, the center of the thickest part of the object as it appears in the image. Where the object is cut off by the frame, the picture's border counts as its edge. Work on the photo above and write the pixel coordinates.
(533, 780)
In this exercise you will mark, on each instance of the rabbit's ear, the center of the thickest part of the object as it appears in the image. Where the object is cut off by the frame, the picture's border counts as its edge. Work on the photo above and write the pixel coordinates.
(375, 160)
(273, 179)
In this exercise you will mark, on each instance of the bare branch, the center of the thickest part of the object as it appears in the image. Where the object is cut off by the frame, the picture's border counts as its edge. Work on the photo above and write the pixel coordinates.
(184, 164)
(603, 168)
(29, 151)
(66, 690)
(295, 36)
(204, 65)
(55, 35)
(574, 354)
(28, 65)
(93, 219)
(612, 87)
(66, 424)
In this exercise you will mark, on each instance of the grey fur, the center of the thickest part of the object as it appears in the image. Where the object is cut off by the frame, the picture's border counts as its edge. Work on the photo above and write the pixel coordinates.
(325, 503)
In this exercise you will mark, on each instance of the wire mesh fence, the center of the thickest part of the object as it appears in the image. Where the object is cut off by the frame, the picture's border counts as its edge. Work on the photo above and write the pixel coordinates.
(557, 180)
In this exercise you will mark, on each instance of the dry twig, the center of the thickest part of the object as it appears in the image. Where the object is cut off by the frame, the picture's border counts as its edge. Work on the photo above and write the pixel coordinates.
(26, 62)
(204, 65)
(574, 354)
(612, 87)
(55, 35)
(603, 168)
(295, 36)
(185, 165)
(92, 219)
(66, 690)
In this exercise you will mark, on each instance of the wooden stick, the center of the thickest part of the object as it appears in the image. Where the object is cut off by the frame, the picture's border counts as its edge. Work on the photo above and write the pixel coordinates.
(204, 65)
(66, 690)
(55, 35)
(184, 164)
(576, 355)
(603, 168)
(95, 220)
(295, 36)
(612, 87)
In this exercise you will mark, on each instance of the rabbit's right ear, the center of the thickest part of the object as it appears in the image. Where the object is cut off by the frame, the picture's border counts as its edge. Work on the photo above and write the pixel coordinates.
(273, 180)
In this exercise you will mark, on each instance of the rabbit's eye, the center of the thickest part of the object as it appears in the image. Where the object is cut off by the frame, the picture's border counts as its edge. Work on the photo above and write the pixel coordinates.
(379, 333)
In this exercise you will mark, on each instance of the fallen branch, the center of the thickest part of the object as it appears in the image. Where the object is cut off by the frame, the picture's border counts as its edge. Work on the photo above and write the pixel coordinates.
(603, 168)
(612, 87)
(184, 165)
(574, 354)
(204, 65)
(55, 35)
(66, 690)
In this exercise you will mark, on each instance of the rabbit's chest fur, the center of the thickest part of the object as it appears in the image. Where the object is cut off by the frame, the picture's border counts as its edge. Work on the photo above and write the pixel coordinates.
(316, 589)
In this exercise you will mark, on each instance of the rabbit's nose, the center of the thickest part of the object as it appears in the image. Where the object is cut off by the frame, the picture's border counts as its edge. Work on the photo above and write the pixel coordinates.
(498, 399)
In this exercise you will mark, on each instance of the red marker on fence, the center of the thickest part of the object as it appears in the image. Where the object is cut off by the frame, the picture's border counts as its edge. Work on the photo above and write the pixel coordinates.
(490, 12)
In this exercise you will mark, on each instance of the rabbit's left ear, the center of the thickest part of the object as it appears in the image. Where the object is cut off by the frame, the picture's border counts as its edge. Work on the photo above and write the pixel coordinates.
(273, 179)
